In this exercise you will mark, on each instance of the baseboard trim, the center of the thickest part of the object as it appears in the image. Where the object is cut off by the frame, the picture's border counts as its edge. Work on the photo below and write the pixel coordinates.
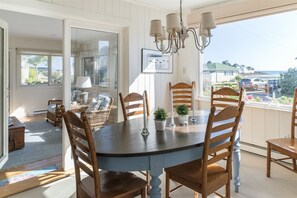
(259, 150)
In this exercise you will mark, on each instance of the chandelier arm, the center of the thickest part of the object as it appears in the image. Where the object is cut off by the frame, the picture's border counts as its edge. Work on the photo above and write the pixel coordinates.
(208, 42)
(196, 39)
(170, 41)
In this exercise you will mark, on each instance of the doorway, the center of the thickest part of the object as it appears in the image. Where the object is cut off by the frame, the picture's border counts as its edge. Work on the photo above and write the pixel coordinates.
(33, 42)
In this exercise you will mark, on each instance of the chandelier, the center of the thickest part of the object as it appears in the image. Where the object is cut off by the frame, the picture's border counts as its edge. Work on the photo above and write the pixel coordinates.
(177, 32)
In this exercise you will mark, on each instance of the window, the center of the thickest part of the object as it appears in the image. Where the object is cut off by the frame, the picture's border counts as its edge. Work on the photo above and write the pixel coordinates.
(258, 54)
(41, 69)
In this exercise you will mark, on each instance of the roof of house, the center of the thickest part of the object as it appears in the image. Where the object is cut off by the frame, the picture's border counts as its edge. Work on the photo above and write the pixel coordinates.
(211, 67)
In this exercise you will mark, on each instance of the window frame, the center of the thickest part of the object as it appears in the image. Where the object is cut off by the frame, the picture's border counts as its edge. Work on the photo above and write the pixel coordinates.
(236, 18)
(48, 53)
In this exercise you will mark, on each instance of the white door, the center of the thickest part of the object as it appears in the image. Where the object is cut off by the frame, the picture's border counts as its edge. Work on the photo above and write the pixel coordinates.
(3, 92)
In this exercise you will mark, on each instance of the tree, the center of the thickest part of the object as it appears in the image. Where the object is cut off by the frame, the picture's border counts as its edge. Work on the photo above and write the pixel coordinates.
(226, 62)
(288, 82)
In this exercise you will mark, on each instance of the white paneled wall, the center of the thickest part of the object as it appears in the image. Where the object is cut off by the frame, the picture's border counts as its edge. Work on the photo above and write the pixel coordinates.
(135, 21)
(260, 124)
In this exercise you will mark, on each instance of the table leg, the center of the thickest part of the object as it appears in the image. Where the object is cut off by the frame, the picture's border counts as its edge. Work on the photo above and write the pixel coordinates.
(236, 161)
(156, 170)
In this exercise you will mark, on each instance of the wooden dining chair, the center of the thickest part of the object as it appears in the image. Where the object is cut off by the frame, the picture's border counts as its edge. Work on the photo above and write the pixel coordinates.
(225, 96)
(204, 175)
(103, 184)
(284, 146)
(132, 105)
(182, 93)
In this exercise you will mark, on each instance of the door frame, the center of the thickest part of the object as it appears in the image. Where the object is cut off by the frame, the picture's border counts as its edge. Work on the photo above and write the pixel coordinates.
(4, 98)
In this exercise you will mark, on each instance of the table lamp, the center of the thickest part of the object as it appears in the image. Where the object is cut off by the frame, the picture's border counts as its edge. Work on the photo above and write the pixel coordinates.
(81, 83)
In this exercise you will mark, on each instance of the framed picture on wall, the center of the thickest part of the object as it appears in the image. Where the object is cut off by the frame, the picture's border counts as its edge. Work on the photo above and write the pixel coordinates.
(153, 61)
(98, 69)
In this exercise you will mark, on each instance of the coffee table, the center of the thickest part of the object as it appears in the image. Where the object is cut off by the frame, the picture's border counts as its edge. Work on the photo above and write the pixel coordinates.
(16, 134)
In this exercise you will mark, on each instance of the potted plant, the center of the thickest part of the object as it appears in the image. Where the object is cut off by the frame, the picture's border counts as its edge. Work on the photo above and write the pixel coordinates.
(160, 116)
(183, 114)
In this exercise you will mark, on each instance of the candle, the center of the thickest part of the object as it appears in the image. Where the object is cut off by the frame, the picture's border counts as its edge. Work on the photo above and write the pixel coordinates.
(144, 111)
(193, 102)
(193, 119)
(172, 116)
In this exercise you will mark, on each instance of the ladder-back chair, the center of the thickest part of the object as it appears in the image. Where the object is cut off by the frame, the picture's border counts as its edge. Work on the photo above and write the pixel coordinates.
(204, 175)
(98, 183)
(132, 105)
(225, 96)
(182, 93)
(284, 146)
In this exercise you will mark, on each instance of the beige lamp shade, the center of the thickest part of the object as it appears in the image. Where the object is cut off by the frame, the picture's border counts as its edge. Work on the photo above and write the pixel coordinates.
(83, 82)
(204, 32)
(156, 28)
(163, 36)
(173, 23)
(207, 21)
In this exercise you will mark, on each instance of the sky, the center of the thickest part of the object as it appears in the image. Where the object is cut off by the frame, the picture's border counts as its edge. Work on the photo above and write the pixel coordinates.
(265, 43)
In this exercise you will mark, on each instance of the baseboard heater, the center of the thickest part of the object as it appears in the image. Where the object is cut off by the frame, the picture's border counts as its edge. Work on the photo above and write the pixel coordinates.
(38, 112)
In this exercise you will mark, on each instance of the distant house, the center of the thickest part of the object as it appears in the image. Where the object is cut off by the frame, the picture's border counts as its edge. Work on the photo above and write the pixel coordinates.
(218, 72)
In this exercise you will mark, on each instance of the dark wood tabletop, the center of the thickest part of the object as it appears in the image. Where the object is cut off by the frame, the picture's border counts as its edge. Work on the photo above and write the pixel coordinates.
(124, 138)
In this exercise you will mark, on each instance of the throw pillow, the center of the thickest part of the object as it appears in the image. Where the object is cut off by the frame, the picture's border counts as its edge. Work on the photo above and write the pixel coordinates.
(105, 100)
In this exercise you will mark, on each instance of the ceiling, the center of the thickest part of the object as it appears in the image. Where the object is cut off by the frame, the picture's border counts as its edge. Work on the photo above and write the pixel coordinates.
(173, 5)
(27, 25)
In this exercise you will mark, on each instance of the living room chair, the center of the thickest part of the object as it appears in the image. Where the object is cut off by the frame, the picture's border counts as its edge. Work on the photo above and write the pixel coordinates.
(54, 112)
(132, 105)
(97, 183)
(182, 93)
(225, 96)
(284, 146)
(204, 175)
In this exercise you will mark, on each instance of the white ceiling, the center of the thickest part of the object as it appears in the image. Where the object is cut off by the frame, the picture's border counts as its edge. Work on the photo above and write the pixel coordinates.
(173, 5)
(33, 26)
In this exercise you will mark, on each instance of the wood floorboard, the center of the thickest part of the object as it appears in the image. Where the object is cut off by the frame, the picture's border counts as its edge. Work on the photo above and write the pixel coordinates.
(34, 181)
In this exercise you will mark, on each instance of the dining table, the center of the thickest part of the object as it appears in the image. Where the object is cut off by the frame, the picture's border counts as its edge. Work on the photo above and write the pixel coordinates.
(122, 147)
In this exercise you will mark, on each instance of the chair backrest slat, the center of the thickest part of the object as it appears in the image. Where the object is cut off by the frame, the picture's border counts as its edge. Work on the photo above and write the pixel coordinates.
(80, 145)
(85, 168)
(222, 127)
(218, 148)
(77, 134)
(219, 138)
(219, 157)
(83, 156)
(132, 104)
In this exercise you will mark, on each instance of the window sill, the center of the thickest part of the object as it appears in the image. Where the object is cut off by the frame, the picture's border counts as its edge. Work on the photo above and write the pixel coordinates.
(252, 104)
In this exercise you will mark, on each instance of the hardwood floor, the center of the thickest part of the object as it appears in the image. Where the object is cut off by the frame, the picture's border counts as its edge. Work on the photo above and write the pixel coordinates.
(33, 118)
(24, 171)
(254, 183)
(19, 178)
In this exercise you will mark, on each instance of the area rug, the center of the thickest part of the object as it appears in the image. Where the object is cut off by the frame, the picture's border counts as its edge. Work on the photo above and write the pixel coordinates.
(27, 175)
(42, 141)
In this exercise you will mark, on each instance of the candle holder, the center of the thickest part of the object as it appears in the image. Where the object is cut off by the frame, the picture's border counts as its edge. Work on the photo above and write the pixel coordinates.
(145, 132)
(193, 118)
(172, 124)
